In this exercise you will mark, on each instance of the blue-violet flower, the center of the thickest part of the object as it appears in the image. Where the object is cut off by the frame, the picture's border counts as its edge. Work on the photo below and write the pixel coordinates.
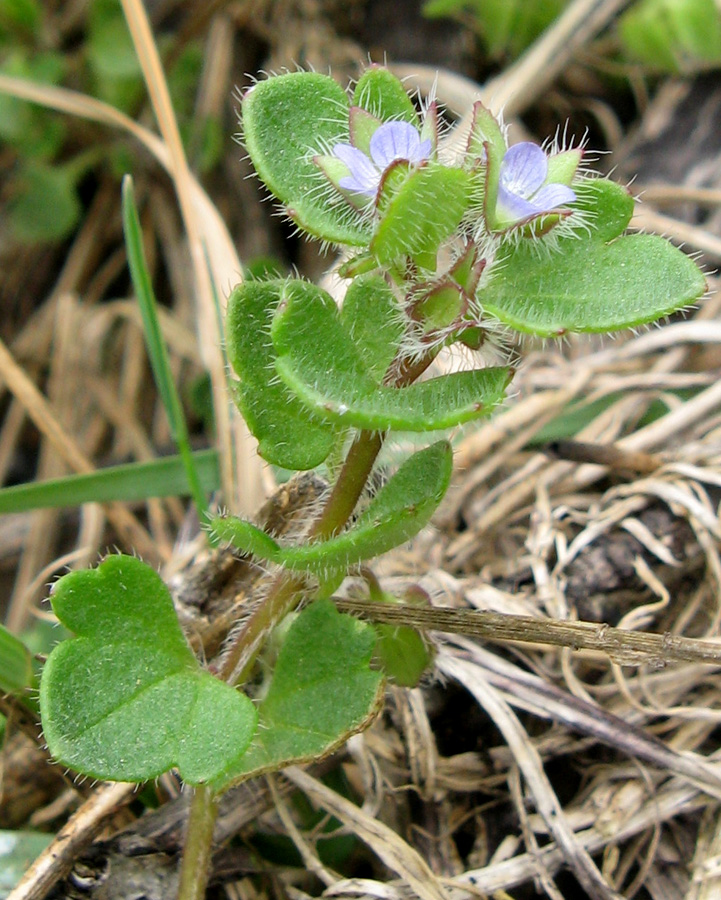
(392, 141)
(522, 191)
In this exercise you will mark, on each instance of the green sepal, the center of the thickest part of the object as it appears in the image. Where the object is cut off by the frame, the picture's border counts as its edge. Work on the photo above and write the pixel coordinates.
(358, 265)
(441, 306)
(425, 210)
(362, 126)
(334, 169)
(126, 700)
(383, 96)
(321, 364)
(484, 130)
(606, 206)
(287, 436)
(372, 316)
(562, 167)
(286, 121)
(397, 513)
(321, 692)
(586, 283)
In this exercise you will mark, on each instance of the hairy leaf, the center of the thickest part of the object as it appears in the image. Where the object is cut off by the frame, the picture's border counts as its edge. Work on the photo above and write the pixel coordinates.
(321, 692)
(589, 282)
(287, 434)
(423, 212)
(372, 318)
(331, 378)
(126, 699)
(398, 512)
(286, 121)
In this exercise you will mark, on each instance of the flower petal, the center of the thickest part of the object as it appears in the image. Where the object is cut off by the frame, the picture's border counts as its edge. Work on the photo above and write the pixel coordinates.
(511, 208)
(523, 169)
(398, 140)
(364, 176)
(553, 196)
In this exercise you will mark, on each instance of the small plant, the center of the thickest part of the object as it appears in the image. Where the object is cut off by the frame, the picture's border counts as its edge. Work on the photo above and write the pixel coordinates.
(670, 36)
(437, 252)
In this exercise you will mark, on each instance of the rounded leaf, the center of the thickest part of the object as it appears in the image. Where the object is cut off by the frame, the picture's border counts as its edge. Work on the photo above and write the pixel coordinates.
(126, 700)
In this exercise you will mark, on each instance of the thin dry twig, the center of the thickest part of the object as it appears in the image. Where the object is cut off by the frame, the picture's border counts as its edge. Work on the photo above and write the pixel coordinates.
(55, 861)
(627, 648)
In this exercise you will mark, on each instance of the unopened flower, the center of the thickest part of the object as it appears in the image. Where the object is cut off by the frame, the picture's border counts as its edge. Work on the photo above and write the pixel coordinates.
(524, 192)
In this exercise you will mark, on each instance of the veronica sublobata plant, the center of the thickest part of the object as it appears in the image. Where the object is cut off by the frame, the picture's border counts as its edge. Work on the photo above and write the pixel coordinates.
(435, 253)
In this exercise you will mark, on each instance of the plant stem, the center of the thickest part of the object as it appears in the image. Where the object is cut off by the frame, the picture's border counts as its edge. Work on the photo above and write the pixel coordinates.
(349, 486)
(285, 590)
(195, 869)
(284, 593)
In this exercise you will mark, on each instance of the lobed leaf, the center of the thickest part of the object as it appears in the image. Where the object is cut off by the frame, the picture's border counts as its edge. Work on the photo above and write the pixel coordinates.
(126, 699)
(397, 513)
(287, 120)
(330, 376)
(287, 434)
(590, 283)
(322, 691)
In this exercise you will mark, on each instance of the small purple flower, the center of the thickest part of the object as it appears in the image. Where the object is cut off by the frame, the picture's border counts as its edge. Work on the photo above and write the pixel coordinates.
(522, 191)
(391, 141)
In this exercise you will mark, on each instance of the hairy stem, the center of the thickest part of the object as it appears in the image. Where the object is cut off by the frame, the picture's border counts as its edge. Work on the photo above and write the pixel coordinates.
(285, 591)
(195, 869)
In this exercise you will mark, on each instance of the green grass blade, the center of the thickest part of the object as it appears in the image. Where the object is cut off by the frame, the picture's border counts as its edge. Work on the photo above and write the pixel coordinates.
(156, 346)
(165, 477)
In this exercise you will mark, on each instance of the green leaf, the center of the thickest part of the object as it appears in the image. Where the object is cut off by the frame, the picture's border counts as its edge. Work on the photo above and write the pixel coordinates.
(33, 131)
(380, 93)
(425, 210)
(322, 691)
(126, 699)
(18, 850)
(372, 317)
(402, 653)
(288, 436)
(507, 27)
(134, 481)
(16, 664)
(46, 207)
(399, 511)
(672, 35)
(286, 121)
(331, 378)
(111, 56)
(588, 285)
(22, 16)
